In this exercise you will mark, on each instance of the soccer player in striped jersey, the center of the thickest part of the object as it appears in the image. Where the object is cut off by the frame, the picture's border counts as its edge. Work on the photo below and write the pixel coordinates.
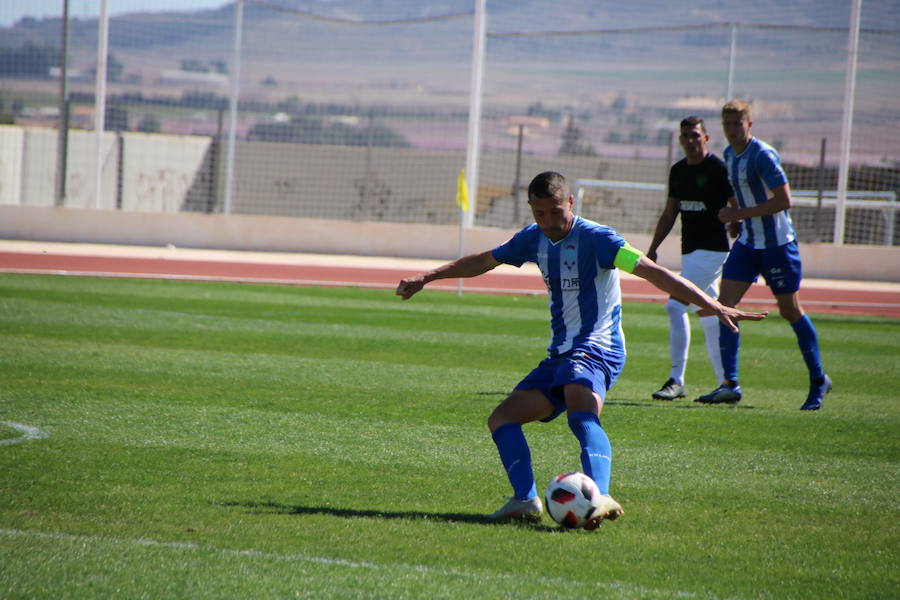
(767, 245)
(579, 260)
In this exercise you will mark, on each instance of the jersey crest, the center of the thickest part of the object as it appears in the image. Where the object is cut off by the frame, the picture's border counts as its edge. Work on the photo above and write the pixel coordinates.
(582, 283)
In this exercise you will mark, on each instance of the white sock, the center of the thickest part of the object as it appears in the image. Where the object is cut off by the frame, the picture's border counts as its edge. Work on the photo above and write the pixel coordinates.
(679, 339)
(710, 326)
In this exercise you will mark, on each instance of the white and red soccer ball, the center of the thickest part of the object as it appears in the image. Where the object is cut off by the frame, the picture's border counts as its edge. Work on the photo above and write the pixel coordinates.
(572, 499)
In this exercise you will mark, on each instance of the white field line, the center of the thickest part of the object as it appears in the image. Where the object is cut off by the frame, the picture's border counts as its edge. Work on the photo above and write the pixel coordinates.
(560, 582)
(28, 433)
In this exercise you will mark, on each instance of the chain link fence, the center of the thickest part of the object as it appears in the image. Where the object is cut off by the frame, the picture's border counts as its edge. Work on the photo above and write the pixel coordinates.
(350, 111)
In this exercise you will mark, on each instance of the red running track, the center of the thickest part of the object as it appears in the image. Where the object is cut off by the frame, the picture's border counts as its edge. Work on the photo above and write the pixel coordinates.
(838, 298)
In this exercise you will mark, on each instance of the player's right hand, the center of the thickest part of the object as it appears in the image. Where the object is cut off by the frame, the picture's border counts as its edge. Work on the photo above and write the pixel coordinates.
(408, 287)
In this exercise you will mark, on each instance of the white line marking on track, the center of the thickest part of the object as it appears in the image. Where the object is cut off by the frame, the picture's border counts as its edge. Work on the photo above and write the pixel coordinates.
(250, 553)
(28, 433)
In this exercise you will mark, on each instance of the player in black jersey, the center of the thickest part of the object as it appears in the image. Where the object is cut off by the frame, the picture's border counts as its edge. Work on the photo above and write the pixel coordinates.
(698, 188)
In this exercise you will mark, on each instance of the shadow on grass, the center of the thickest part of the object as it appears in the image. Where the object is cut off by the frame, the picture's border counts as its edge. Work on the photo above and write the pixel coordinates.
(259, 507)
(677, 404)
(651, 403)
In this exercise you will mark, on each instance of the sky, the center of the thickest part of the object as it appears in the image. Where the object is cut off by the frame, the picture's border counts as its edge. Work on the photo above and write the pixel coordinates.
(13, 10)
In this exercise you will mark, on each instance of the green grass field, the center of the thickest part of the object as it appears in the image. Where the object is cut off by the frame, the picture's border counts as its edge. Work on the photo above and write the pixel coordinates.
(213, 440)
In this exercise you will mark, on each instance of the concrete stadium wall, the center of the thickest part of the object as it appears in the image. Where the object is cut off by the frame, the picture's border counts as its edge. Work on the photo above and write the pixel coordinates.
(159, 171)
(286, 234)
(302, 198)
(180, 173)
(156, 172)
(28, 166)
(409, 184)
(11, 148)
(171, 173)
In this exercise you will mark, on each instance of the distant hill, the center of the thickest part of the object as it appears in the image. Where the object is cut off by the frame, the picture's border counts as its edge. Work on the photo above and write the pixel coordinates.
(143, 30)
(317, 49)
(314, 57)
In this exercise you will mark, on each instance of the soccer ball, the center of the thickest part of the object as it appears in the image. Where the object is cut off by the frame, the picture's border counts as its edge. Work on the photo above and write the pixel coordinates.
(572, 499)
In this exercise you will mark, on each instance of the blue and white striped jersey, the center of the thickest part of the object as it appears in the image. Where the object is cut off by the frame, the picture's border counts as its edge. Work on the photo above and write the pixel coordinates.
(753, 173)
(583, 284)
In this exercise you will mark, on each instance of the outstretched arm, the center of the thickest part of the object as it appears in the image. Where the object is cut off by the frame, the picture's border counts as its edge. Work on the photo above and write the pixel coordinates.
(467, 266)
(681, 288)
(663, 226)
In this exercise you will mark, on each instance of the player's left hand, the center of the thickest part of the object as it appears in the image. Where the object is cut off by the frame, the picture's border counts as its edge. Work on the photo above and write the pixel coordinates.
(730, 316)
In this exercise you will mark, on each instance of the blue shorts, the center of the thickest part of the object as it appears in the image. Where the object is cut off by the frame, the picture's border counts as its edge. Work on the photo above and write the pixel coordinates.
(597, 371)
(780, 267)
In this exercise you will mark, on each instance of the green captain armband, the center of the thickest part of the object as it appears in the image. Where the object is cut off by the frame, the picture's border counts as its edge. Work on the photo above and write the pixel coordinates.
(627, 258)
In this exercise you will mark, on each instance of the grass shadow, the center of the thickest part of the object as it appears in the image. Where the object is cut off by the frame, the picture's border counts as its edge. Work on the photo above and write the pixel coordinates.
(260, 507)
(676, 404)
(650, 403)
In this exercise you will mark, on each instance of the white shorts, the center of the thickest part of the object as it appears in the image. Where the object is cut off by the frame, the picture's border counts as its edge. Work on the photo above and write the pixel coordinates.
(703, 268)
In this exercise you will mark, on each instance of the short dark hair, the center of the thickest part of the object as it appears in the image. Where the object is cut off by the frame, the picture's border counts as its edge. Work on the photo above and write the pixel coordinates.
(547, 184)
(692, 121)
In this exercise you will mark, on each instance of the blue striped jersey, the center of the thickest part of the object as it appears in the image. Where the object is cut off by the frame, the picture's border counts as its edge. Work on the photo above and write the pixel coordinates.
(582, 283)
(753, 173)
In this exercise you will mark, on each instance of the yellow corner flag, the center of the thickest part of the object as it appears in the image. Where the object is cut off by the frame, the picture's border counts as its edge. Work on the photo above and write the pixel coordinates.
(462, 191)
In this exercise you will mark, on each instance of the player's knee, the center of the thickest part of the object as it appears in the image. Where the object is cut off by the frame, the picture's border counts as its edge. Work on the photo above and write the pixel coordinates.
(729, 300)
(731, 292)
(791, 314)
(790, 311)
(497, 419)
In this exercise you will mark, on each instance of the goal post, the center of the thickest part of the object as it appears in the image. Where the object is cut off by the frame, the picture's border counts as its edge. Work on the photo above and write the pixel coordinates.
(627, 206)
(582, 184)
(634, 207)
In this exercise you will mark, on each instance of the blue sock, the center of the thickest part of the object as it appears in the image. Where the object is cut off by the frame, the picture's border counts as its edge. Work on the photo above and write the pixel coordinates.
(729, 344)
(808, 341)
(596, 452)
(516, 458)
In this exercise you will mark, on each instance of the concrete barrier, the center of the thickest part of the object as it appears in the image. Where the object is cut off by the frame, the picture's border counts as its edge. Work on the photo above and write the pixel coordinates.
(142, 172)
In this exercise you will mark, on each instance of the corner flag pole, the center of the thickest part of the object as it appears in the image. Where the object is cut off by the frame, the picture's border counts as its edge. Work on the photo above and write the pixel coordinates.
(462, 200)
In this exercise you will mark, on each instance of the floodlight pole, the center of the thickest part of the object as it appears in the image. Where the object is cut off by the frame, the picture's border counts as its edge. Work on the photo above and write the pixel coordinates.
(840, 208)
(473, 141)
(467, 217)
(62, 143)
(729, 90)
(100, 99)
(233, 103)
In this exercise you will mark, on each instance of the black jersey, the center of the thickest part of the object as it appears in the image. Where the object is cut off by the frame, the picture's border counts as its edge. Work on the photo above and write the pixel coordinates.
(701, 190)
